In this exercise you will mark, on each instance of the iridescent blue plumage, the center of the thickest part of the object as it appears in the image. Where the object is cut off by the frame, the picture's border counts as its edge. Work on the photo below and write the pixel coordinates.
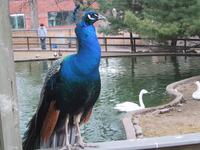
(71, 89)
(84, 65)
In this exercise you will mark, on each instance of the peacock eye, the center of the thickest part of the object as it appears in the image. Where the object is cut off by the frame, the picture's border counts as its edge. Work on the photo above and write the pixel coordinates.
(90, 17)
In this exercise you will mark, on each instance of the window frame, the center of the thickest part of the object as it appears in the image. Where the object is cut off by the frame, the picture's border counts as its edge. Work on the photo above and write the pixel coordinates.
(15, 16)
(63, 22)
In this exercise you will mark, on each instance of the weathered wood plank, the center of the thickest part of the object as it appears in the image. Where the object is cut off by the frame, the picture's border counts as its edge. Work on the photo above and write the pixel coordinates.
(128, 127)
(9, 123)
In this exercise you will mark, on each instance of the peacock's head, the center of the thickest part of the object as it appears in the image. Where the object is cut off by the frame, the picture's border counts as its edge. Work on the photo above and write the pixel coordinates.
(91, 17)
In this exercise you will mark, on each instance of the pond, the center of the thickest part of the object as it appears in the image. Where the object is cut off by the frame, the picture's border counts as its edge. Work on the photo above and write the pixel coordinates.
(122, 80)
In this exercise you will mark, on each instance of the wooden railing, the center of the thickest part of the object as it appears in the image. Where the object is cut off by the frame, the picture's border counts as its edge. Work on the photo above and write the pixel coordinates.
(133, 44)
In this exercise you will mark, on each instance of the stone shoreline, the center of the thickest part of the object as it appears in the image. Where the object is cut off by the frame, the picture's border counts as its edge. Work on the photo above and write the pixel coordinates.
(134, 130)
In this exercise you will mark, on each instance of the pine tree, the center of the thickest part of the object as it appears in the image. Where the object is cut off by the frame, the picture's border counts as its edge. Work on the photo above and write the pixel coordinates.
(114, 10)
(161, 20)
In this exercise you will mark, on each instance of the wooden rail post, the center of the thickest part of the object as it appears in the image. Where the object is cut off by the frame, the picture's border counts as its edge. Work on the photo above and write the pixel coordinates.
(70, 42)
(9, 119)
(106, 44)
(70, 38)
(185, 46)
(132, 44)
(28, 46)
(50, 44)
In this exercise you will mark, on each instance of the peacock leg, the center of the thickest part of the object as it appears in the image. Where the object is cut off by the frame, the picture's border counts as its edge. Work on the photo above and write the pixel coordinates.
(67, 145)
(79, 139)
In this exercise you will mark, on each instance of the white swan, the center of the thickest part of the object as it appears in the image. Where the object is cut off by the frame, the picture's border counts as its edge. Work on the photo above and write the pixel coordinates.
(129, 106)
(196, 94)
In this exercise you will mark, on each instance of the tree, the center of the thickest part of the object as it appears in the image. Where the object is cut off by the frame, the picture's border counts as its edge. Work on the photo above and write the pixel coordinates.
(161, 20)
(164, 20)
(114, 11)
(34, 13)
(32, 4)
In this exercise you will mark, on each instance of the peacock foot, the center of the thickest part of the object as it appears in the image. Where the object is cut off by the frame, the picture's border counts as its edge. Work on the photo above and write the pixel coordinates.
(66, 147)
(82, 145)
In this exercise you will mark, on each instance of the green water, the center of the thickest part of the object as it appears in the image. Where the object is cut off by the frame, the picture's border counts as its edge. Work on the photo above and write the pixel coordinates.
(122, 79)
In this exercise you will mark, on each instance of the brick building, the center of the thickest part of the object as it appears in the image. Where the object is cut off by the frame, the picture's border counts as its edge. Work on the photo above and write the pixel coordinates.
(56, 15)
(52, 13)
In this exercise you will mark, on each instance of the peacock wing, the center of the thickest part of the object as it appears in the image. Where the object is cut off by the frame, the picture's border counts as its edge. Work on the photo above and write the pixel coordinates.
(47, 113)
(49, 80)
(44, 121)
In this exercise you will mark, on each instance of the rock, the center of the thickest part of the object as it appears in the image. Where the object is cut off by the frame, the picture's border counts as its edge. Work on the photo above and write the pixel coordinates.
(165, 110)
(139, 136)
(156, 112)
(136, 121)
(195, 113)
(37, 56)
(179, 110)
(183, 100)
(138, 130)
(179, 105)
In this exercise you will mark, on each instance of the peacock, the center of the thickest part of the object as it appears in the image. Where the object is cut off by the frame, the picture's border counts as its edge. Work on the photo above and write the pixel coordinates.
(71, 88)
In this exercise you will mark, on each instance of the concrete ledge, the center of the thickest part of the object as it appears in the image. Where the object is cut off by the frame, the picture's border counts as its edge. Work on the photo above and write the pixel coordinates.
(175, 142)
(151, 143)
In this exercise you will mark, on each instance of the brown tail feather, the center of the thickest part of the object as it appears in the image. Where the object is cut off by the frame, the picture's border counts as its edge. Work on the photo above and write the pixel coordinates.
(30, 136)
(49, 122)
(87, 116)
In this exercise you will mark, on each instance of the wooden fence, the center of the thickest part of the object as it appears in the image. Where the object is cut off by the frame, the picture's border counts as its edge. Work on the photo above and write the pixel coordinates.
(134, 44)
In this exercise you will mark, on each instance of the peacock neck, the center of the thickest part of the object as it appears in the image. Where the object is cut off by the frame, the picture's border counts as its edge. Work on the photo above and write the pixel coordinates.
(141, 100)
(85, 64)
(87, 41)
(89, 51)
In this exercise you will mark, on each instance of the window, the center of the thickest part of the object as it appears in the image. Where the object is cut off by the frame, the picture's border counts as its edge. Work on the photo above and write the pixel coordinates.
(60, 18)
(17, 21)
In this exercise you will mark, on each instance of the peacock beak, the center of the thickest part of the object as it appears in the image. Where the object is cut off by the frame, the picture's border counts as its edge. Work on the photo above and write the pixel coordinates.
(101, 17)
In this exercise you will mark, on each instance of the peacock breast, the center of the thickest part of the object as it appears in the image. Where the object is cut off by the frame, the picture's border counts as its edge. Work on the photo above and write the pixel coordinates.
(75, 96)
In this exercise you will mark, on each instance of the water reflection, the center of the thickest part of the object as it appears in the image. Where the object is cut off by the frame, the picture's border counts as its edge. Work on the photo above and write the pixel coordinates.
(176, 67)
(122, 79)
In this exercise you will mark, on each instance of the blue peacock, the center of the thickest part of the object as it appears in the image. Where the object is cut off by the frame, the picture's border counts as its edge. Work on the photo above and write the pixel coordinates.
(70, 90)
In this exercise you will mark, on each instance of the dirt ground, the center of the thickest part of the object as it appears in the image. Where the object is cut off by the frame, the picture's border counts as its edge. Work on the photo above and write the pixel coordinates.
(180, 120)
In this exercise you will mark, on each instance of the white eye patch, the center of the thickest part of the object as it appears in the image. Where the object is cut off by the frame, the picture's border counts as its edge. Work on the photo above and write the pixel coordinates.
(90, 17)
